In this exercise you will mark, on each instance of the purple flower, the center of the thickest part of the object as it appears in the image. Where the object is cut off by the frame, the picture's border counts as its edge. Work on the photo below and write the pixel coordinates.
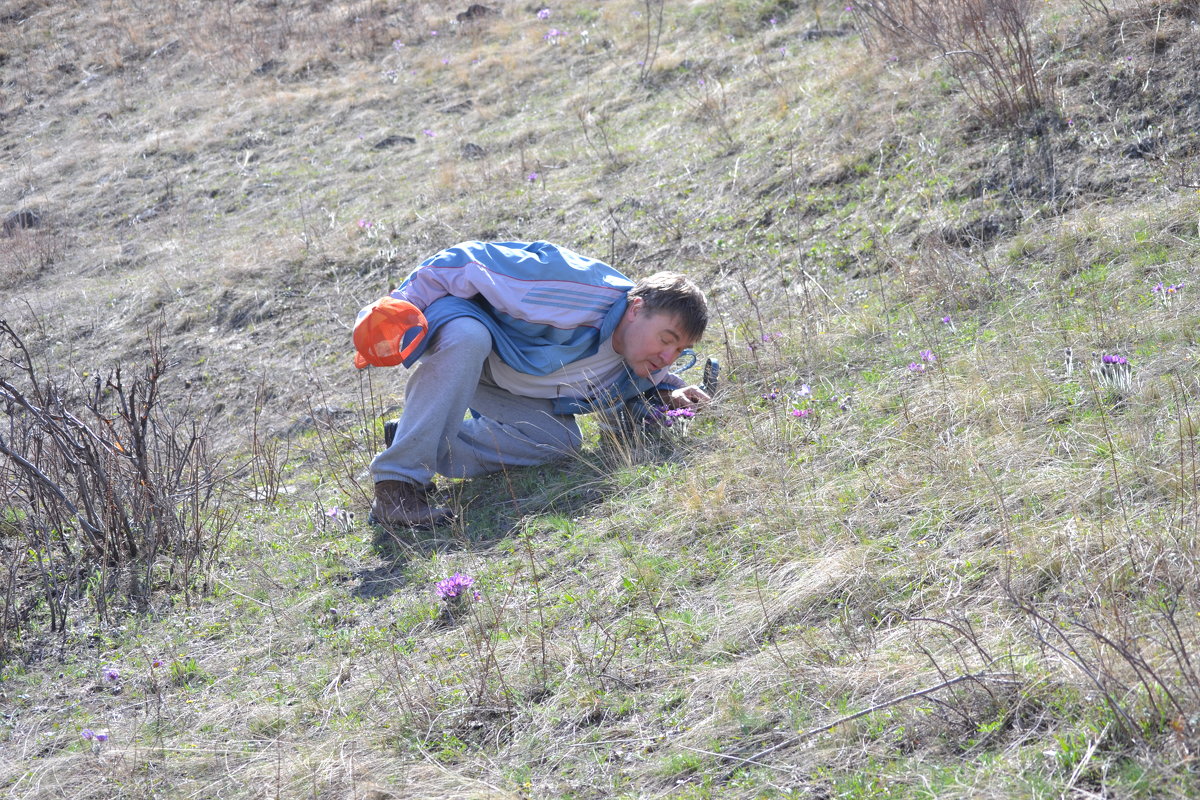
(397, 45)
(772, 395)
(365, 224)
(801, 412)
(433, 33)
(112, 675)
(685, 413)
(87, 734)
(659, 414)
(429, 133)
(927, 355)
(445, 60)
(544, 14)
(946, 319)
(845, 404)
(805, 390)
(532, 177)
(1114, 359)
(101, 737)
(156, 663)
(455, 586)
(915, 367)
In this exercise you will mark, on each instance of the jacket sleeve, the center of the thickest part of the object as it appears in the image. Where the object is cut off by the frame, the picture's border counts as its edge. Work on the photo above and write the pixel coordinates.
(444, 276)
(665, 379)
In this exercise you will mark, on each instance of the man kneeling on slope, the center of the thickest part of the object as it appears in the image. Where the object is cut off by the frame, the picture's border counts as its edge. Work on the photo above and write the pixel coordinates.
(524, 336)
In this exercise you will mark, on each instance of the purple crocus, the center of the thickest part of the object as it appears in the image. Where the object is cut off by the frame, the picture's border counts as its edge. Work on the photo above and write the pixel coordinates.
(112, 675)
(681, 413)
(928, 356)
(801, 412)
(1114, 359)
(455, 586)
(915, 367)
(86, 733)
(544, 14)
(101, 737)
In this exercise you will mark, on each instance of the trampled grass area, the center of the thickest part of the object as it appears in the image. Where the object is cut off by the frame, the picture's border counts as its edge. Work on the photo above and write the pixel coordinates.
(928, 542)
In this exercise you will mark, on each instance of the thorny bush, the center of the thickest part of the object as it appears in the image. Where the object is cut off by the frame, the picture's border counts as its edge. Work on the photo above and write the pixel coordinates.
(987, 44)
(108, 493)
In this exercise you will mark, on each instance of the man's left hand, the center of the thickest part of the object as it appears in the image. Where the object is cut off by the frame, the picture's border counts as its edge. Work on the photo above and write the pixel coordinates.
(688, 397)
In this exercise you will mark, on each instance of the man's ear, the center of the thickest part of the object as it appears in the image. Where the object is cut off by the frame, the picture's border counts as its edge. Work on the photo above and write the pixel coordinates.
(635, 306)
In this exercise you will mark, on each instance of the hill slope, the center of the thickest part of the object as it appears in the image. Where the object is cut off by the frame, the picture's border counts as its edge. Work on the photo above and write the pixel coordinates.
(966, 568)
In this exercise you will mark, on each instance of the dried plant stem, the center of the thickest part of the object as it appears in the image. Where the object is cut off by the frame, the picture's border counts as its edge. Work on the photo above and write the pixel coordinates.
(1005, 677)
(1112, 456)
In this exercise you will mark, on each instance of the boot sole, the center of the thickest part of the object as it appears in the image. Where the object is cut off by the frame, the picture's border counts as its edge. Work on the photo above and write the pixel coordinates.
(415, 526)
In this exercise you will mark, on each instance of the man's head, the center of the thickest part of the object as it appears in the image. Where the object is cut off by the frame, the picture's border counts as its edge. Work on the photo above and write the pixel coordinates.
(667, 314)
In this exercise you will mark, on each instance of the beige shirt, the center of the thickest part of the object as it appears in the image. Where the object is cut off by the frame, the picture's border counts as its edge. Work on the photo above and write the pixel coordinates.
(578, 380)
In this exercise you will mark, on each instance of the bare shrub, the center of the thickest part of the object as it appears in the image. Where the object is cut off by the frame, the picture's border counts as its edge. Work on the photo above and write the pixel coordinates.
(986, 43)
(26, 254)
(106, 493)
(1141, 663)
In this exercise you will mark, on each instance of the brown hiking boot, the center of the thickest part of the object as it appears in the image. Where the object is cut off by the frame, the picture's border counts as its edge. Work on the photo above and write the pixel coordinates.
(402, 503)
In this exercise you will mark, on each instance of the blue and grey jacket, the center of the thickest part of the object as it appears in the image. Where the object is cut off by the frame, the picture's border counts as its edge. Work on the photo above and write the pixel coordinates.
(545, 306)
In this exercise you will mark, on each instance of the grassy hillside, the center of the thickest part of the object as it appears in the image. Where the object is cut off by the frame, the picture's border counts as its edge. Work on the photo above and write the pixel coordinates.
(937, 536)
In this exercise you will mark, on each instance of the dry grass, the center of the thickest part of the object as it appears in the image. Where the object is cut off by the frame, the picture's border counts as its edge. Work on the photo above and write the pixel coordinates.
(765, 605)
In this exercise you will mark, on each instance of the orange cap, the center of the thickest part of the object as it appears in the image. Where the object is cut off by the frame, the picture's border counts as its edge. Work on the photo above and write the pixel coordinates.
(379, 331)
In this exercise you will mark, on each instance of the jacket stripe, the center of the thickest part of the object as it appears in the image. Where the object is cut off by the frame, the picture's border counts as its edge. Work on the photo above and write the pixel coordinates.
(558, 301)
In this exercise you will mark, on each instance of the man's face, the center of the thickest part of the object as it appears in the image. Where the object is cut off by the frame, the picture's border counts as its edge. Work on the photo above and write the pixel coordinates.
(648, 341)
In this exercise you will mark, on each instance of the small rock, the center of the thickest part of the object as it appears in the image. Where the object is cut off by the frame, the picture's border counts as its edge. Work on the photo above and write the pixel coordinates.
(1139, 149)
(392, 141)
(20, 220)
(474, 12)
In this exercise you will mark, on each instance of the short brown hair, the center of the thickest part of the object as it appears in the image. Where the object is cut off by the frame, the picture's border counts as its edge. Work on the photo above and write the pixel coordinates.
(673, 293)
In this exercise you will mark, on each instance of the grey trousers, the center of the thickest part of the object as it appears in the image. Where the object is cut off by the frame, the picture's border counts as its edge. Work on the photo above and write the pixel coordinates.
(432, 435)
